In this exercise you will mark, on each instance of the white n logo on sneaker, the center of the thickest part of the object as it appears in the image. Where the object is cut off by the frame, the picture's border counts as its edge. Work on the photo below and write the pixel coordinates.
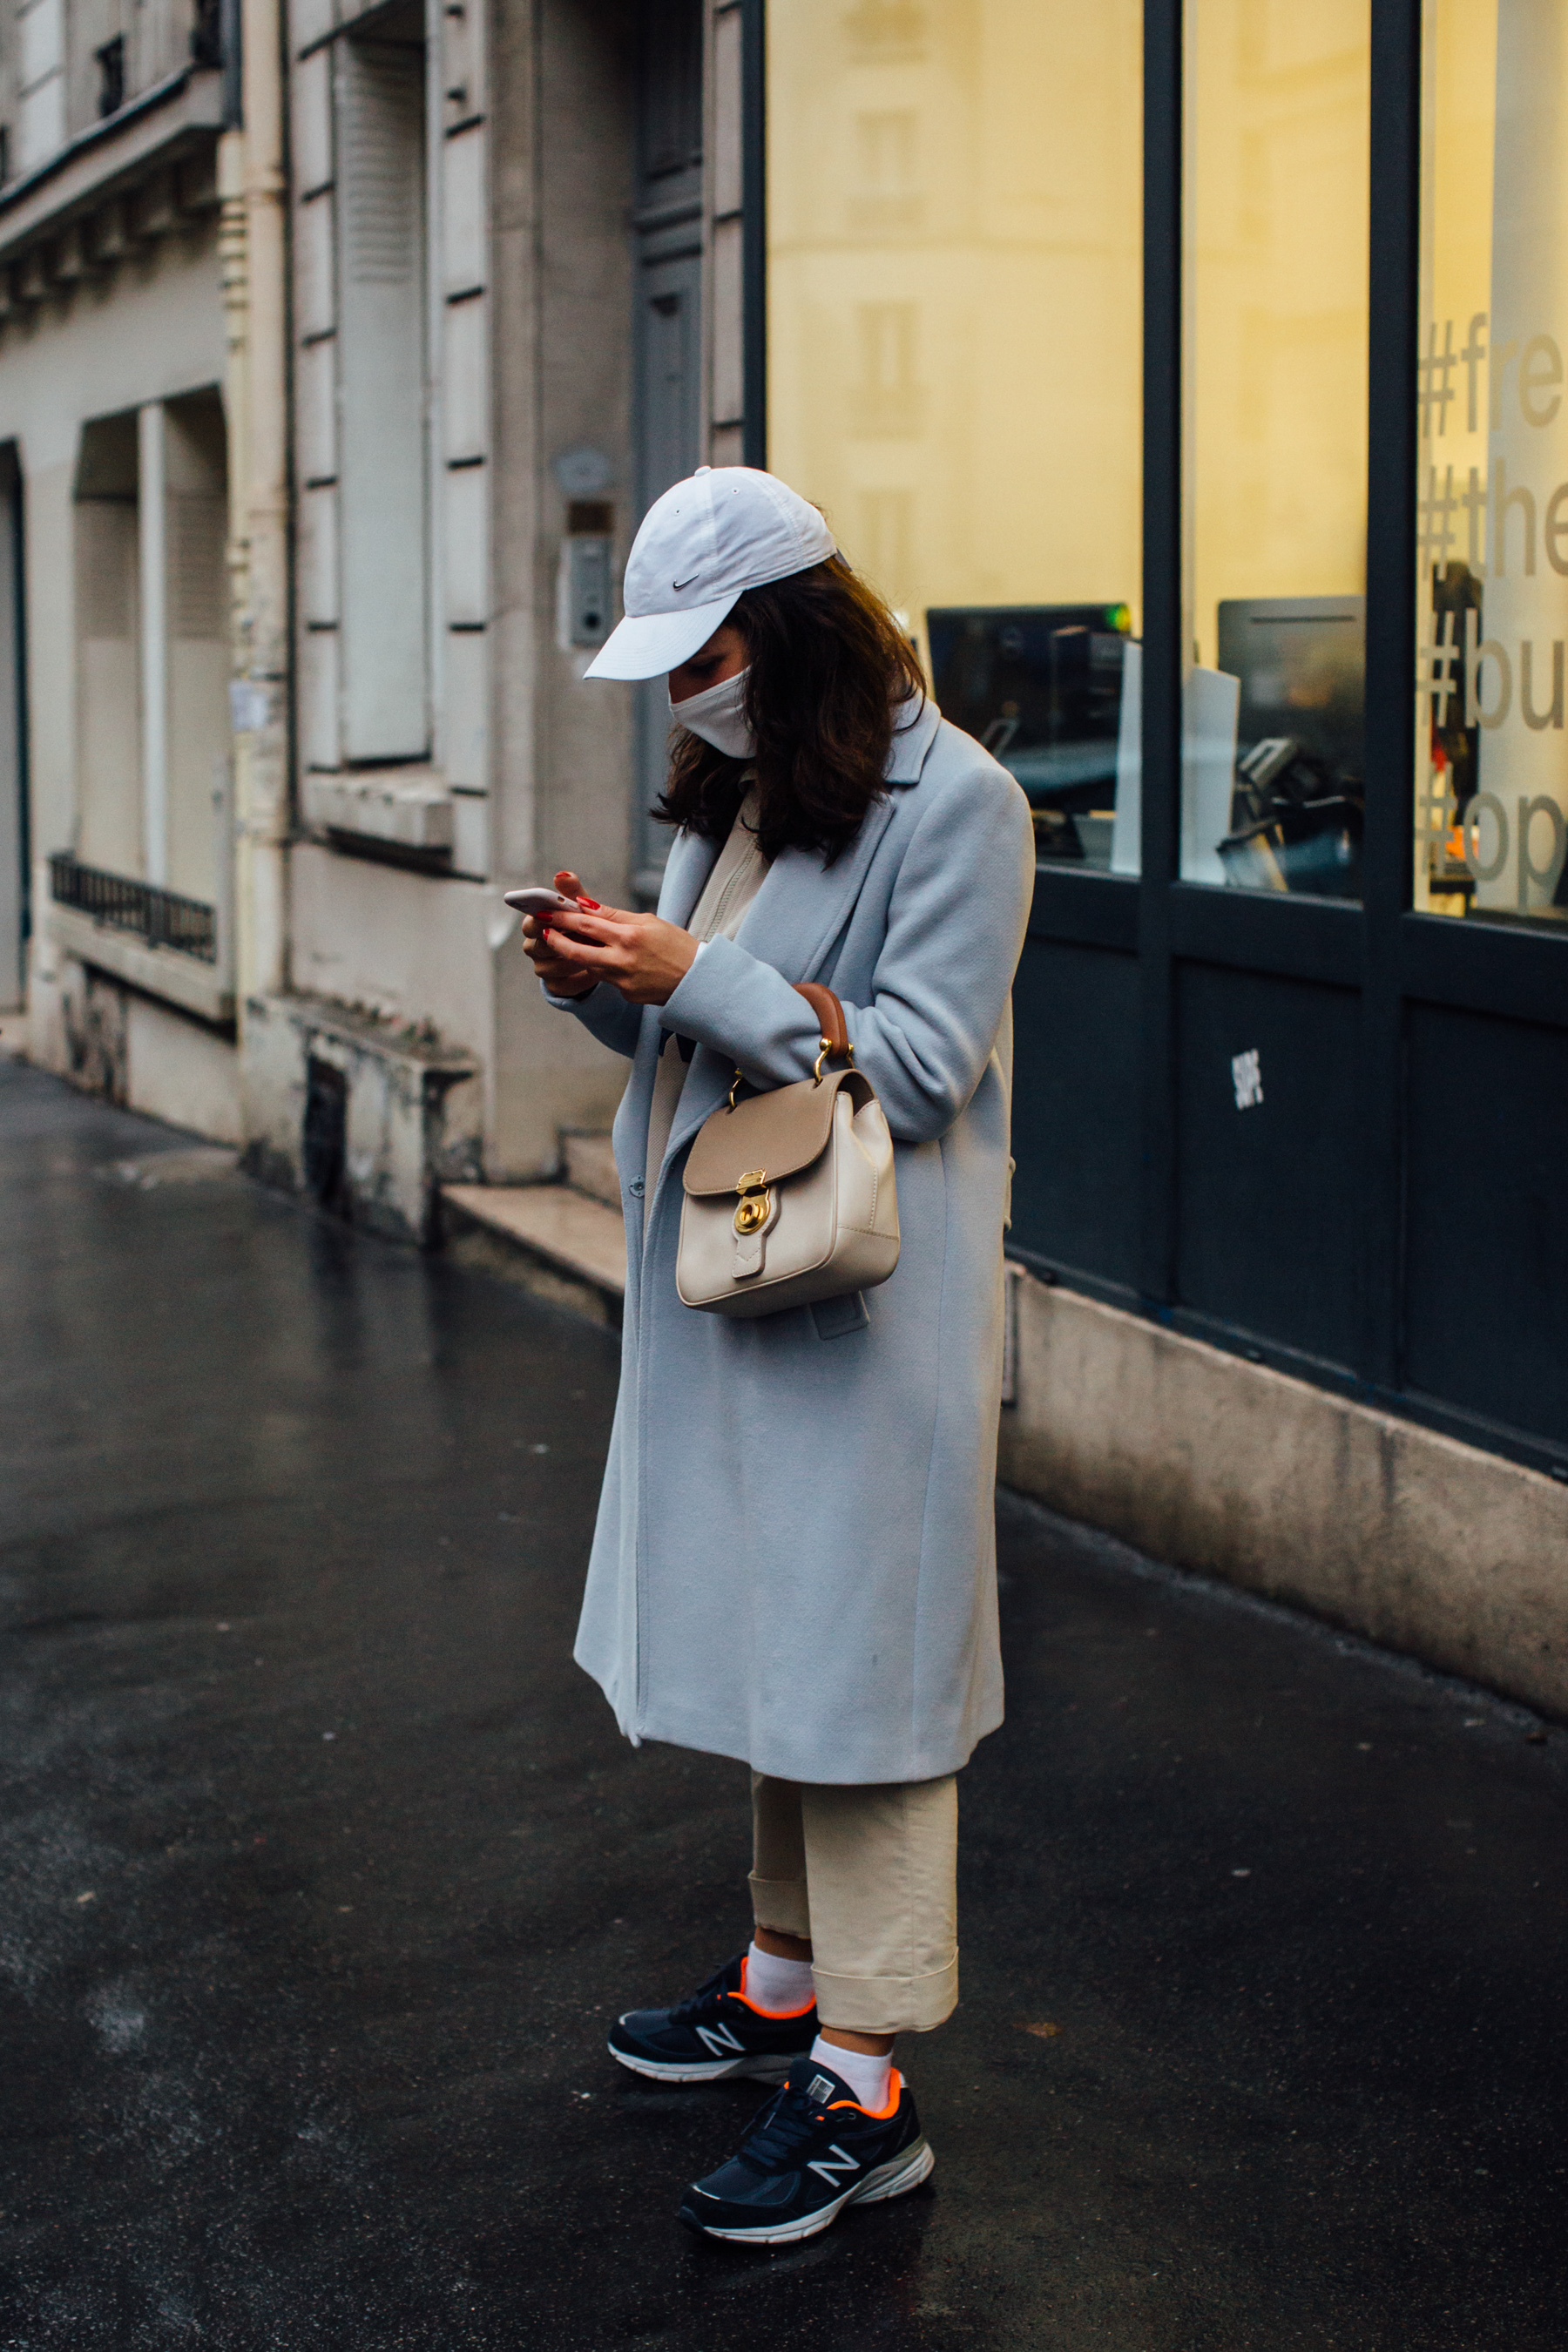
(717, 2039)
(830, 2172)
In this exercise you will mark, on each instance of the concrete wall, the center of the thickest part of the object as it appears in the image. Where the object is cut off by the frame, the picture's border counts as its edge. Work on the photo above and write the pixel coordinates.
(1433, 1547)
(412, 1113)
(178, 1070)
(112, 1040)
(445, 957)
(409, 946)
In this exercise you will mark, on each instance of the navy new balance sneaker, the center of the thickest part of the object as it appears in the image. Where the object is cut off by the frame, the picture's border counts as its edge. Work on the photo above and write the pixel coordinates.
(714, 2033)
(812, 2150)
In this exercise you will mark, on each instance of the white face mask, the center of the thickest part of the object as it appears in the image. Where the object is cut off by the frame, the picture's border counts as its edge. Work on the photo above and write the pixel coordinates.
(718, 715)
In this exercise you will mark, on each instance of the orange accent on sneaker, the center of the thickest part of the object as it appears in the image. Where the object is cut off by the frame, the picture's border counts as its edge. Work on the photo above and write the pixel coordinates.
(757, 2006)
(878, 2114)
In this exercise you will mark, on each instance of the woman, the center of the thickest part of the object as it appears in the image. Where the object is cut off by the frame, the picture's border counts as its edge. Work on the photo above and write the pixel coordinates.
(794, 1563)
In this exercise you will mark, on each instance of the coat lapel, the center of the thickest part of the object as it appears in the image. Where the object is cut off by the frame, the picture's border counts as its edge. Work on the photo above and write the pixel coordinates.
(691, 862)
(797, 916)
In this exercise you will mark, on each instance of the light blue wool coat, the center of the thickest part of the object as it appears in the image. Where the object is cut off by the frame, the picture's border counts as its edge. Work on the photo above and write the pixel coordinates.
(795, 1559)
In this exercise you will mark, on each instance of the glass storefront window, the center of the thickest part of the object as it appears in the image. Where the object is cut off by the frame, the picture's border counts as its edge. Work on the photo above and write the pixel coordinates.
(954, 361)
(1491, 775)
(1276, 233)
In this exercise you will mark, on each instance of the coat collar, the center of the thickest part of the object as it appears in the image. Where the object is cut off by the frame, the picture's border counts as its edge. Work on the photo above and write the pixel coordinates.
(912, 739)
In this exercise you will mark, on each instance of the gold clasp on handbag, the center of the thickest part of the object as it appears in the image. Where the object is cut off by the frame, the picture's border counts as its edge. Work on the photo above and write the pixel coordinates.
(829, 1047)
(755, 1206)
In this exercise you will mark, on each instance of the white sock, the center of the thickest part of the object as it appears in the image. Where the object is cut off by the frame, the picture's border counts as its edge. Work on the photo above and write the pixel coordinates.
(775, 1985)
(866, 2076)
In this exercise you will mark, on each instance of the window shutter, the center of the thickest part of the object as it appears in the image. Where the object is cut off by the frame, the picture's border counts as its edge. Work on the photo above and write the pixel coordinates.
(198, 567)
(380, 396)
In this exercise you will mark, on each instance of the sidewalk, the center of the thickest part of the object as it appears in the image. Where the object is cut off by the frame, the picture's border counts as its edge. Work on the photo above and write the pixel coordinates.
(322, 1872)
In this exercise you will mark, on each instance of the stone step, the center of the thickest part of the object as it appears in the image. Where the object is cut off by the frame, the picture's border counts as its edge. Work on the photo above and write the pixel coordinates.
(554, 1240)
(590, 1164)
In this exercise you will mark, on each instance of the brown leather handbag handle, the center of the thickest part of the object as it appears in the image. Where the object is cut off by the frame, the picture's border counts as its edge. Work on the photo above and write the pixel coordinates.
(830, 1021)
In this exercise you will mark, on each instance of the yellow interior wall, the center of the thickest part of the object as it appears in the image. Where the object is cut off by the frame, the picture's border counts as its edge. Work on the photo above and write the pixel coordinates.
(954, 303)
(1277, 137)
(1458, 114)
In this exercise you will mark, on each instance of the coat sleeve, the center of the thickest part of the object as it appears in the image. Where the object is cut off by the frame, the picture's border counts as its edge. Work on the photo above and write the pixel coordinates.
(955, 928)
(605, 1014)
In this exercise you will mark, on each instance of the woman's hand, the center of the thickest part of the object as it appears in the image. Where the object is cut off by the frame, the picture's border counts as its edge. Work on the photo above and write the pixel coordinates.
(646, 958)
(561, 975)
(546, 951)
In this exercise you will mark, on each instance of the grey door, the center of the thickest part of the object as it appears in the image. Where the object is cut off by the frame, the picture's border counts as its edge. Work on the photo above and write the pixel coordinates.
(668, 349)
(14, 877)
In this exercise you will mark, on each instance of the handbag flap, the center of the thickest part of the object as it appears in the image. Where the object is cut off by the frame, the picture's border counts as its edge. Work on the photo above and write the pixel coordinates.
(768, 1136)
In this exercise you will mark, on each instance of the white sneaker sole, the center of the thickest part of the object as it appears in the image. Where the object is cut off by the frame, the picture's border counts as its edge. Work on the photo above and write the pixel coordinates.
(895, 2178)
(711, 2070)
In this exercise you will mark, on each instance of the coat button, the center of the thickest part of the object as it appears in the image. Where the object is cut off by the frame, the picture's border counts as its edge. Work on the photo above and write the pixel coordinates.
(635, 1188)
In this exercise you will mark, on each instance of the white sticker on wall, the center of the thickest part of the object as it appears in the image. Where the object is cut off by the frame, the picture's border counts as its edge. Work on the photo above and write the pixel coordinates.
(249, 706)
(1246, 1077)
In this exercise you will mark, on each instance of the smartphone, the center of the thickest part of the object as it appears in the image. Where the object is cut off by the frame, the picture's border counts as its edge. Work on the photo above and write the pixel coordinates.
(541, 902)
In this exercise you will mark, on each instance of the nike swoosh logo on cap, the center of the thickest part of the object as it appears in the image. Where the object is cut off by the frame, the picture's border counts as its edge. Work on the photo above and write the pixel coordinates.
(679, 584)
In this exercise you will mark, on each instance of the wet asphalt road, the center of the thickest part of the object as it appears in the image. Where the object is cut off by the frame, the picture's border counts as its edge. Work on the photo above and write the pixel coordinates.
(322, 1871)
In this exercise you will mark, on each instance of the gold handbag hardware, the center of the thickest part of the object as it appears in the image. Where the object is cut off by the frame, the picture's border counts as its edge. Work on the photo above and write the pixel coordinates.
(756, 1201)
(790, 1195)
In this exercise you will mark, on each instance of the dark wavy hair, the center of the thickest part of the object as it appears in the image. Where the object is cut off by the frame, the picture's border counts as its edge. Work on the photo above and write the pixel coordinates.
(827, 667)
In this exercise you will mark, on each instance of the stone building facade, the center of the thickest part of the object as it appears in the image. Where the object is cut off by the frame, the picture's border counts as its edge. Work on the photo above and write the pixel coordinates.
(340, 351)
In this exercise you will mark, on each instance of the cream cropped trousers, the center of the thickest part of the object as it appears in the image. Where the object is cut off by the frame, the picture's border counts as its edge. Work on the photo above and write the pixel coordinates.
(869, 1876)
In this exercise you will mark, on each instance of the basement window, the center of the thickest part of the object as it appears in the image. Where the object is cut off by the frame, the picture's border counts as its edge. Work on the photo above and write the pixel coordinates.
(111, 76)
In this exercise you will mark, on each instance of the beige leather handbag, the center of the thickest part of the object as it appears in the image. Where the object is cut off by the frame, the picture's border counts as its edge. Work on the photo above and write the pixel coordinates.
(790, 1195)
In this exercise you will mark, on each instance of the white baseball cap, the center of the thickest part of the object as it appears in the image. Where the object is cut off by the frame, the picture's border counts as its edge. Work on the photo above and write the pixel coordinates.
(701, 546)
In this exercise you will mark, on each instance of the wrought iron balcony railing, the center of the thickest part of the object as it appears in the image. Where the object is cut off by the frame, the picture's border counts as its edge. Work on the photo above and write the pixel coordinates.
(163, 918)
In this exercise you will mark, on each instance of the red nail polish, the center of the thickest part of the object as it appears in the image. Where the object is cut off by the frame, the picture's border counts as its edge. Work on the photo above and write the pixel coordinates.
(592, 904)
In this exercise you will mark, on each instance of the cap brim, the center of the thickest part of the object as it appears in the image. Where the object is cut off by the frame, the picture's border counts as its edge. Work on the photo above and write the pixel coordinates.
(648, 644)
